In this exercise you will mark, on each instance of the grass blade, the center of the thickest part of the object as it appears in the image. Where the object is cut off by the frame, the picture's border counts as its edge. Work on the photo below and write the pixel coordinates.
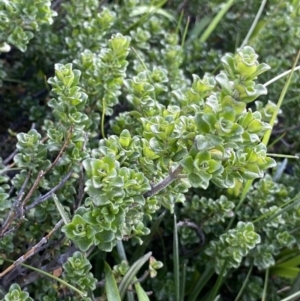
(216, 20)
(122, 254)
(293, 262)
(140, 250)
(121, 250)
(176, 261)
(141, 294)
(182, 287)
(61, 281)
(198, 28)
(280, 169)
(240, 294)
(201, 283)
(296, 285)
(146, 11)
(219, 282)
(61, 209)
(282, 156)
(264, 294)
(271, 81)
(279, 103)
(288, 206)
(253, 26)
(185, 32)
(287, 266)
(131, 273)
(111, 288)
(291, 297)
(285, 272)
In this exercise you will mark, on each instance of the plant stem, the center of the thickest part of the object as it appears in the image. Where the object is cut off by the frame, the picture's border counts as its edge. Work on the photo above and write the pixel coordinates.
(262, 6)
(176, 261)
(165, 182)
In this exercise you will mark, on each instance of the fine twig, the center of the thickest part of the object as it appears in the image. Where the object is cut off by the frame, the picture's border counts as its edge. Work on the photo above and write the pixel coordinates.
(9, 168)
(142, 278)
(41, 174)
(33, 250)
(61, 150)
(49, 267)
(12, 188)
(14, 228)
(37, 261)
(288, 145)
(39, 200)
(11, 213)
(49, 194)
(291, 128)
(173, 175)
(100, 283)
(21, 192)
(33, 188)
(10, 157)
(195, 227)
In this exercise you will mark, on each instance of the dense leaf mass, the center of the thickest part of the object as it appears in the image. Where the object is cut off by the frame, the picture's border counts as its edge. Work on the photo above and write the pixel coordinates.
(117, 116)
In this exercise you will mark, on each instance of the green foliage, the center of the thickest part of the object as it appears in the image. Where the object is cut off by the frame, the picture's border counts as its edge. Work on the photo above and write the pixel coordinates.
(19, 19)
(233, 246)
(103, 73)
(137, 121)
(16, 294)
(31, 153)
(77, 272)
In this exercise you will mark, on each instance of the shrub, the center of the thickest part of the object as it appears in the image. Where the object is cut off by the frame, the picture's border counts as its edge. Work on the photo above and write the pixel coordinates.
(148, 142)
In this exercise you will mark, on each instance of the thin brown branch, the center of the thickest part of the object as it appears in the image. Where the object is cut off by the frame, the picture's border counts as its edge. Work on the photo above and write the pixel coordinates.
(39, 200)
(288, 129)
(173, 175)
(46, 196)
(32, 251)
(10, 157)
(142, 278)
(100, 283)
(61, 151)
(193, 226)
(33, 188)
(21, 192)
(14, 228)
(51, 266)
(288, 145)
(12, 212)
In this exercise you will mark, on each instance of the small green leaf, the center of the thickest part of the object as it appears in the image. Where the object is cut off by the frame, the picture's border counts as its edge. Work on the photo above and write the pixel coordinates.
(224, 82)
(188, 164)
